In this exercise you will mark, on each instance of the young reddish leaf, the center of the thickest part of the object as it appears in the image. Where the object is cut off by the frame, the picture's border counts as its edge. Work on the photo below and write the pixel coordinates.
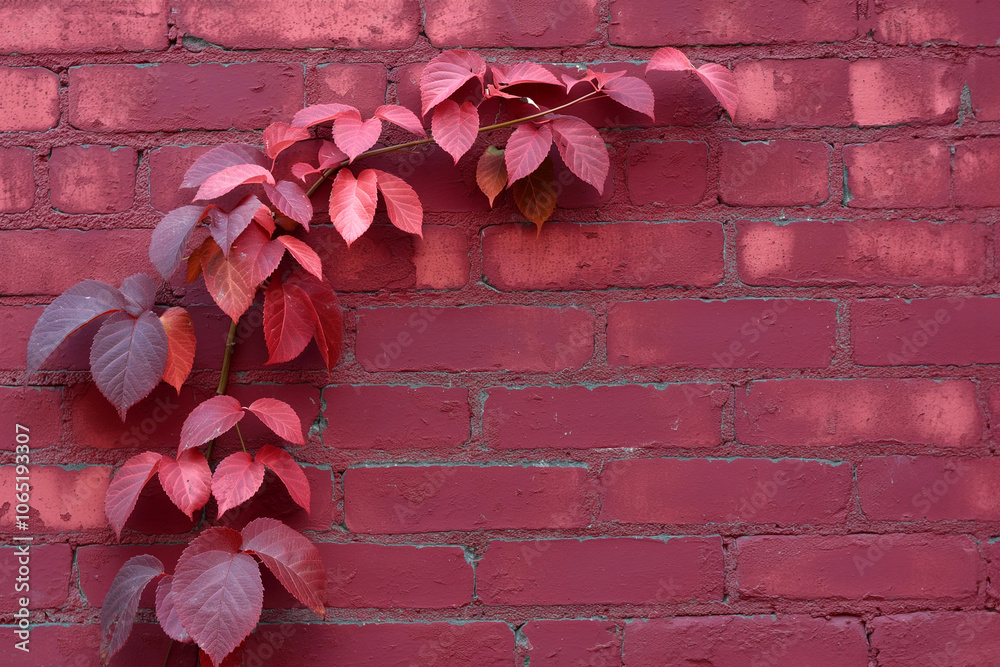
(631, 92)
(352, 203)
(236, 479)
(353, 135)
(187, 481)
(139, 291)
(668, 59)
(219, 184)
(166, 611)
(122, 602)
(221, 157)
(722, 84)
(257, 256)
(288, 321)
(279, 417)
(78, 306)
(226, 281)
(445, 74)
(302, 169)
(264, 218)
(491, 172)
(569, 81)
(181, 343)
(125, 486)
(292, 559)
(401, 116)
(288, 471)
(170, 238)
(279, 136)
(582, 149)
(455, 127)
(523, 73)
(291, 200)
(329, 332)
(401, 202)
(219, 598)
(329, 155)
(527, 147)
(217, 538)
(209, 420)
(535, 194)
(303, 254)
(195, 259)
(128, 358)
(227, 227)
(602, 78)
(320, 113)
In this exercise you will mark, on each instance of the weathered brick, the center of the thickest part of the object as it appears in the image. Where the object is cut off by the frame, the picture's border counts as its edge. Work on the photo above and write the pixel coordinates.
(623, 254)
(774, 173)
(505, 23)
(420, 499)
(92, 179)
(856, 252)
(898, 174)
(17, 180)
(853, 567)
(792, 93)
(916, 22)
(825, 413)
(977, 171)
(153, 423)
(98, 565)
(439, 183)
(740, 333)
(572, 643)
(684, 415)
(893, 91)
(175, 96)
(37, 408)
(167, 165)
(273, 501)
(981, 77)
(992, 550)
(957, 639)
(53, 26)
(80, 646)
(41, 575)
(717, 490)
(441, 258)
(362, 86)
(30, 98)
(589, 571)
(62, 500)
(667, 172)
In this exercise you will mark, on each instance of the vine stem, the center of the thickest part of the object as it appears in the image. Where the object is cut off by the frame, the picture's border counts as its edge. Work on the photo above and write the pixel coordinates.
(227, 362)
(420, 142)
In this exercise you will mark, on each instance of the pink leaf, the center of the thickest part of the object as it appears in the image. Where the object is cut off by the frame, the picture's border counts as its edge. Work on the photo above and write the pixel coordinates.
(582, 149)
(294, 560)
(320, 113)
(181, 344)
(668, 59)
(354, 136)
(236, 479)
(401, 116)
(445, 74)
(523, 73)
(219, 184)
(125, 487)
(187, 481)
(128, 357)
(139, 291)
(352, 203)
(401, 202)
(722, 84)
(631, 92)
(455, 127)
(288, 321)
(171, 236)
(288, 471)
(122, 602)
(330, 155)
(527, 147)
(209, 420)
(166, 611)
(279, 136)
(226, 227)
(291, 199)
(302, 169)
(303, 254)
(279, 417)
(219, 158)
(602, 78)
(329, 332)
(257, 256)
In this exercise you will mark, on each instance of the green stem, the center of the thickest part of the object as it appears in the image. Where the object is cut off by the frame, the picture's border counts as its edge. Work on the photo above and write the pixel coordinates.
(227, 362)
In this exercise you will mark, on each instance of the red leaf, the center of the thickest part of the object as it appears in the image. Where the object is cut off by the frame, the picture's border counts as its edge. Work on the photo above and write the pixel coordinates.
(181, 343)
(128, 358)
(445, 74)
(291, 199)
(217, 538)
(219, 184)
(187, 481)
(288, 471)
(219, 599)
(582, 149)
(125, 486)
(166, 611)
(320, 113)
(78, 306)
(352, 203)
(491, 172)
(209, 420)
(330, 155)
(669, 59)
(527, 147)
(302, 169)
(257, 256)
(455, 127)
(170, 238)
(293, 559)
(402, 117)
(722, 84)
(523, 73)
(226, 281)
(288, 321)
(139, 292)
(279, 136)
(303, 254)
(329, 332)
(279, 416)
(353, 135)
(632, 92)
(221, 157)
(122, 602)
(602, 78)
(264, 218)
(401, 202)
(236, 479)
(535, 195)
(227, 227)
(207, 246)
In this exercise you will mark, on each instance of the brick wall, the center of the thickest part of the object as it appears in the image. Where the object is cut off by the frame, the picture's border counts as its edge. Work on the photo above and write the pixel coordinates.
(739, 411)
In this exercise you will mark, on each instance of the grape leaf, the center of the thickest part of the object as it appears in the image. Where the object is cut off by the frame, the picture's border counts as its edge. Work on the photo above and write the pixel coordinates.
(221, 157)
(535, 195)
(139, 291)
(125, 486)
(288, 471)
(222, 182)
(279, 416)
(289, 321)
(631, 92)
(171, 236)
(320, 113)
(293, 559)
(166, 611)
(401, 202)
(291, 199)
(353, 135)
(401, 116)
(209, 420)
(122, 601)
(181, 343)
(491, 172)
(329, 332)
(128, 358)
(445, 74)
(187, 481)
(352, 203)
(582, 149)
(455, 127)
(226, 227)
(527, 146)
(279, 136)
(236, 479)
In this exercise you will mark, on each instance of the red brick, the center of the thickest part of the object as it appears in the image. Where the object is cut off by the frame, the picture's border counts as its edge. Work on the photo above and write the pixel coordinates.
(362, 86)
(894, 91)
(977, 171)
(153, 423)
(774, 173)
(175, 96)
(80, 645)
(746, 640)
(30, 98)
(439, 183)
(667, 172)
(854, 252)
(299, 24)
(304, 399)
(479, 643)
(916, 22)
(956, 639)
(92, 179)
(272, 500)
(497, 337)
(590, 571)
(853, 567)
(792, 93)
(421, 499)
(825, 413)
(99, 564)
(167, 165)
(17, 180)
(718, 490)
(993, 572)
(17, 322)
(898, 332)
(623, 254)
(738, 333)
(62, 500)
(441, 258)
(638, 23)
(421, 417)
(899, 174)
(679, 415)
(47, 579)
(450, 23)
(571, 643)
(907, 488)
(51, 26)
(37, 408)
(982, 77)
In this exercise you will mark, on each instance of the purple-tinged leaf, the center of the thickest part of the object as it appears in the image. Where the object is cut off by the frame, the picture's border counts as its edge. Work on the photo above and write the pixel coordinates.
(455, 127)
(292, 559)
(235, 480)
(125, 487)
(226, 227)
(290, 199)
(122, 602)
(209, 420)
(320, 113)
(582, 149)
(279, 416)
(139, 291)
(445, 74)
(527, 146)
(401, 116)
(221, 157)
(171, 236)
(166, 611)
(128, 358)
